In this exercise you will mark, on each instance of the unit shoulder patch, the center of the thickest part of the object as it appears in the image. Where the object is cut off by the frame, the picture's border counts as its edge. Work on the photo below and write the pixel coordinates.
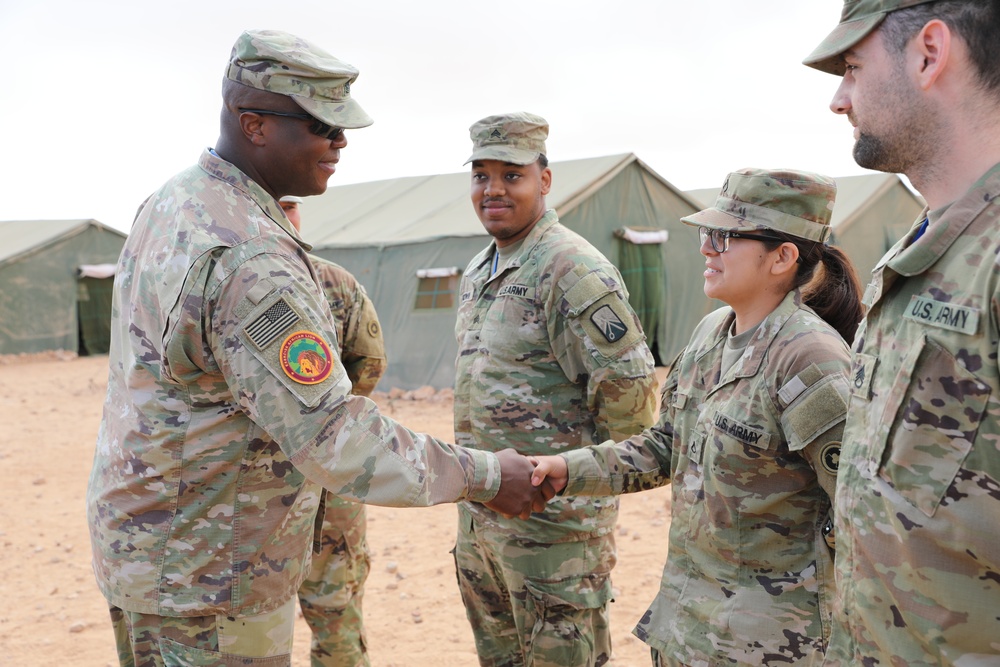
(609, 324)
(306, 358)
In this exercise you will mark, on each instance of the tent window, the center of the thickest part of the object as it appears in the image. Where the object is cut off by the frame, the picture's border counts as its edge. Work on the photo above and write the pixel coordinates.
(436, 288)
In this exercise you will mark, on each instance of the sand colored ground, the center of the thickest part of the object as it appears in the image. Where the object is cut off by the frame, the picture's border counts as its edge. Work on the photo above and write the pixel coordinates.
(53, 614)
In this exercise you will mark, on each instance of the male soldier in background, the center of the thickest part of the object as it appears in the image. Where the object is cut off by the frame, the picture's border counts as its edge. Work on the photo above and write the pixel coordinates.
(201, 520)
(918, 494)
(551, 358)
(331, 595)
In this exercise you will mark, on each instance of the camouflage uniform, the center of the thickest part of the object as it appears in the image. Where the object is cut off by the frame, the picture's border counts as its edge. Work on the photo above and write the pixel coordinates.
(225, 394)
(551, 358)
(751, 450)
(331, 595)
(751, 454)
(918, 562)
(918, 499)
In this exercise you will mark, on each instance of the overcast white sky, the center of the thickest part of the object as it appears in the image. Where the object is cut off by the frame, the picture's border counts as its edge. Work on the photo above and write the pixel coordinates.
(104, 100)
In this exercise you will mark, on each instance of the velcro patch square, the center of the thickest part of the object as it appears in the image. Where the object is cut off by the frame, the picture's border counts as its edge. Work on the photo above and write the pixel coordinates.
(271, 323)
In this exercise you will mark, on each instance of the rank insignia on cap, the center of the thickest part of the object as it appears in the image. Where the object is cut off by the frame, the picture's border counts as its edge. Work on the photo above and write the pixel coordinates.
(830, 457)
(495, 135)
(306, 358)
(608, 323)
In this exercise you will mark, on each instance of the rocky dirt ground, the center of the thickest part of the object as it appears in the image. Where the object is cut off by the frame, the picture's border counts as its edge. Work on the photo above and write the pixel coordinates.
(53, 614)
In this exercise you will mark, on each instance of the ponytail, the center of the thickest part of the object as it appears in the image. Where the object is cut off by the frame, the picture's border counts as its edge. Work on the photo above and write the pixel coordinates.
(833, 292)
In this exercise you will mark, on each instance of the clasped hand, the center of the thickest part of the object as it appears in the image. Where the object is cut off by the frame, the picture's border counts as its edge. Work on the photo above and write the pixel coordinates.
(527, 483)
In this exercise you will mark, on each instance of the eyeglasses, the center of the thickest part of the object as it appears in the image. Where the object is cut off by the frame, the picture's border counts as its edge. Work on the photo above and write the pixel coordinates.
(317, 127)
(720, 237)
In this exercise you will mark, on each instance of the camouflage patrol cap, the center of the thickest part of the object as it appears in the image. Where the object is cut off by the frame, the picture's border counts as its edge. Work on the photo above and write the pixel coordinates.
(517, 138)
(288, 65)
(798, 203)
(858, 19)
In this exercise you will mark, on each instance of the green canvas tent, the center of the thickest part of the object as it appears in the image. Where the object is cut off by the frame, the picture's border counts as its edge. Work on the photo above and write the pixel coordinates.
(408, 240)
(55, 285)
(871, 213)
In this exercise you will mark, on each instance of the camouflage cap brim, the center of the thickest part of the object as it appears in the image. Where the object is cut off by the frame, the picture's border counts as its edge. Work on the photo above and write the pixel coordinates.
(827, 57)
(504, 153)
(347, 114)
(735, 214)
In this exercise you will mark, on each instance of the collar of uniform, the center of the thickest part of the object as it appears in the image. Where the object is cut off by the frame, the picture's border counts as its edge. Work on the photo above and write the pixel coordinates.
(548, 219)
(231, 174)
(753, 356)
(920, 256)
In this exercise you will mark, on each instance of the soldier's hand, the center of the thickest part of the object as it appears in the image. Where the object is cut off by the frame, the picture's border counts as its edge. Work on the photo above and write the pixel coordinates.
(550, 470)
(517, 495)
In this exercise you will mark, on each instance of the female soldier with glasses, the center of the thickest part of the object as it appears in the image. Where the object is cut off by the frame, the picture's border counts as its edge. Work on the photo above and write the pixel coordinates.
(751, 418)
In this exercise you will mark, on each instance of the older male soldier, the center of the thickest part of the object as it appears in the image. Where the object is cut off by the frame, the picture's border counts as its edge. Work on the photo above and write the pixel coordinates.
(200, 516)
(918, 495)
(551, 358)
(332, 593)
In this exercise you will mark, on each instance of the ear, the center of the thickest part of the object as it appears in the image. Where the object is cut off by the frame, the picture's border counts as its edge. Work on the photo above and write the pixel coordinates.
(786, 257)
(933, 46)
(253, 128)
(546, 181)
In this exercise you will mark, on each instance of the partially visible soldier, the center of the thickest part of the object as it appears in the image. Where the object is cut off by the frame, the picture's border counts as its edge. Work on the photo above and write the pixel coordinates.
(551, 358)
(331, 595)
(918, 495)
(224, 395)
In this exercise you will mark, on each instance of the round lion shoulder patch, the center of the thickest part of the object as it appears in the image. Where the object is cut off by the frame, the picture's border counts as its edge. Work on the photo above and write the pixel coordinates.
(306, 358)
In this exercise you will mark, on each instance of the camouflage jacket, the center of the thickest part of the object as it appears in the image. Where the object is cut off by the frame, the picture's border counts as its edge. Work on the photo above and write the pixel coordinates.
(224, 391)
(359, 333)
(550, 357)
(752, 457)
(918, 498)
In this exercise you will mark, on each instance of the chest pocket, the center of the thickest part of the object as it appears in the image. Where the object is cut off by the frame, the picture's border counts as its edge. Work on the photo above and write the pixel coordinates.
(514, 324)
(936, 407)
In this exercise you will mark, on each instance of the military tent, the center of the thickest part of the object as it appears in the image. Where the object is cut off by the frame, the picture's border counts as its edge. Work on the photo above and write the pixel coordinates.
(871, 213)
(409, 239)
(55, 285)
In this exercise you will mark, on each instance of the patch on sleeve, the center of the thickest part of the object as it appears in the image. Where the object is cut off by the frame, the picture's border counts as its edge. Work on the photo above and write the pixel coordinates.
(306, 358)
(270, 324)
(829, 457)
(609, 324)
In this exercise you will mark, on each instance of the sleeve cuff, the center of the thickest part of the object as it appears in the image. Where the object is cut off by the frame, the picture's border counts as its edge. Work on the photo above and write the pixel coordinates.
(486, 476)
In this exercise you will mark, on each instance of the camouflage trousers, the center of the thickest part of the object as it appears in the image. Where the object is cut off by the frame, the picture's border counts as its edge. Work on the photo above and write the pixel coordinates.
(532, 604)
(147, 640)
(332, 592)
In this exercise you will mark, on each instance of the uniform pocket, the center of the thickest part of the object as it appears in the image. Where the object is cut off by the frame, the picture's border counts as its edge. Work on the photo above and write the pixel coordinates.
(175, 654)
(568, 617)
(936, 406)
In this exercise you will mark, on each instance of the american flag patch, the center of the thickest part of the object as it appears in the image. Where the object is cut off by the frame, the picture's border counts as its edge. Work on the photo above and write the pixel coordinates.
(271, 323)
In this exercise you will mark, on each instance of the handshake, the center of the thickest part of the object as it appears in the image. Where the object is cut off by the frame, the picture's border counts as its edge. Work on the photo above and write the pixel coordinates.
(527, 483)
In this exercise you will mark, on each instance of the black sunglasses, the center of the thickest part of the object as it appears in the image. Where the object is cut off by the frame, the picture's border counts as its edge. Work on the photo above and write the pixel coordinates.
(317, 127)
(720, 237)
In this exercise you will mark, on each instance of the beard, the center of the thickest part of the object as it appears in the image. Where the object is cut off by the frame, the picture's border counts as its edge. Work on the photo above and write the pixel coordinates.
(872, 152)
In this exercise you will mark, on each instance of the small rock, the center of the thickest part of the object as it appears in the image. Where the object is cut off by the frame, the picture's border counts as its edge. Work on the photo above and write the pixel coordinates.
(391, 586)
(79, 626)
(39, 481)
(417, 618)
(622, 530)
(636, 536)
(391, 566)
(54, 591)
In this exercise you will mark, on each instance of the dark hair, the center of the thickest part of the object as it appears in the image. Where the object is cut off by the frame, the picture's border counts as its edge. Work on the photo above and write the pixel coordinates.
(543, 161)
(975, 21)
(835, 293)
